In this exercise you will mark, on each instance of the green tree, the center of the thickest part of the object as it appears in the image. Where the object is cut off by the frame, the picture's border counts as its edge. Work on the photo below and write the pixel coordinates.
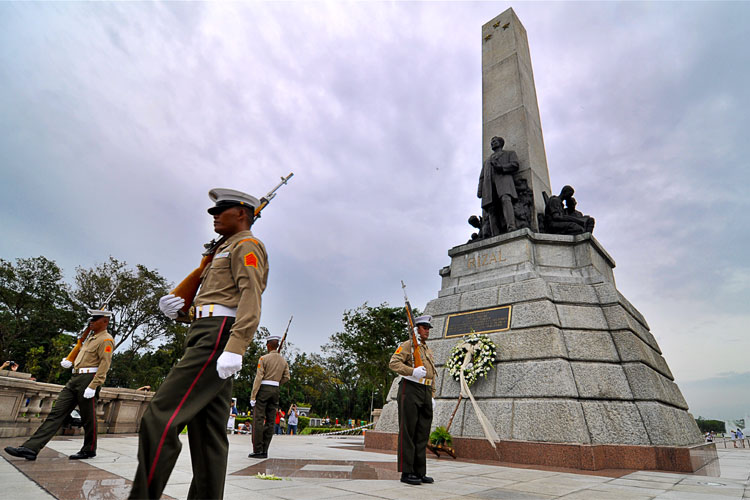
(136, 315)
(706, 425)
(359, 355)
(35, 308)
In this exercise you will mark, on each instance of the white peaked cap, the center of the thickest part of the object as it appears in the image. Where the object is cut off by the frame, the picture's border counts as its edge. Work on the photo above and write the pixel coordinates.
(225, 198)
(99, 312)
(424, 320)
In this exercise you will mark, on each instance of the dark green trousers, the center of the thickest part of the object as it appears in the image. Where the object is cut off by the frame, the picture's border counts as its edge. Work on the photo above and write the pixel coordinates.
(192, 395)
(266, 404)
(414, 420)
(70, 397)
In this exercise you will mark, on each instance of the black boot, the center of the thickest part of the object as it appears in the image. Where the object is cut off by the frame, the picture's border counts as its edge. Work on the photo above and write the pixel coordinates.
(21, 452)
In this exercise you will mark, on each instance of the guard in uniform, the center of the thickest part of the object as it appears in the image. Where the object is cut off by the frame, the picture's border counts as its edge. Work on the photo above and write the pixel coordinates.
(273, 371)
(198, 390)
(89, 371)
(415, 404)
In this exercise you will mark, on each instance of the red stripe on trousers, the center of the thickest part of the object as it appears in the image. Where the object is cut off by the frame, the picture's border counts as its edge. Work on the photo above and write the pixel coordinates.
(179, 406)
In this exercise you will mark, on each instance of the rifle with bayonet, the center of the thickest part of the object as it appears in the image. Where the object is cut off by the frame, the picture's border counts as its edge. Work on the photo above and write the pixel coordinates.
(189, 286)
(281, 344)
(412, 330)
(87, 329)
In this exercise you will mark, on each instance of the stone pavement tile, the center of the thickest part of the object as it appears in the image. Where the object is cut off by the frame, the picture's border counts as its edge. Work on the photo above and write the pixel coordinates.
(660, 478)
(412, 492)
(607, 487)
(365, 485)
(735, 472)
(553, 486)
(519, 474)
(489, 482)
(456, 488)
(641, 483)
(718, 491)
(721, 481)
(308, 492)
(604, 495)
(254, 484)
(13, 480)
(502, 494)
(686, 495)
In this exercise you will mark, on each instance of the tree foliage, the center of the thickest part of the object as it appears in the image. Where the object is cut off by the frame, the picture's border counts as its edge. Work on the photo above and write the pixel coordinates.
(35, 308)
(136, 317)
(361, 353)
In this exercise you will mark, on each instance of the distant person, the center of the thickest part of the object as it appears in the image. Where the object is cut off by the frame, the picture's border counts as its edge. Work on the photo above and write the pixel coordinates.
(89, 371)
(734, 437)
(144, 388)
(292, 419)
(277, 421)
(9, 365)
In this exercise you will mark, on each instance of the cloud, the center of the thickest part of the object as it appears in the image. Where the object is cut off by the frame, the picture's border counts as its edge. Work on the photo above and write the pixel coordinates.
(117, 119)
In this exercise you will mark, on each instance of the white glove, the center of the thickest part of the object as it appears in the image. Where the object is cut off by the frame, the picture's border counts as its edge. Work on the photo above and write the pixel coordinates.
(89, 393)
(419, 372)
(433, 404)
(228, 364)
(170, 305)
(65, 363)
(252, 403)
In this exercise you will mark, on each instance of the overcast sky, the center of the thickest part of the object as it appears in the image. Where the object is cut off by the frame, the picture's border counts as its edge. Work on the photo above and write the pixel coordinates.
(116, 120)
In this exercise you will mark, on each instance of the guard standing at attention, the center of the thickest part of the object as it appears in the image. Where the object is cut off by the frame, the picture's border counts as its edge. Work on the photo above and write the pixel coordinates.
(415, 404)
(89, 371)
(198, 390)
(273, 371)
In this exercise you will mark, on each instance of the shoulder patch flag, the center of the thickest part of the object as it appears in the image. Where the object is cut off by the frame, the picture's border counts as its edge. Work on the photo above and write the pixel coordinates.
(251, 260)
(398, 350)
(108, 348)
(258, 364)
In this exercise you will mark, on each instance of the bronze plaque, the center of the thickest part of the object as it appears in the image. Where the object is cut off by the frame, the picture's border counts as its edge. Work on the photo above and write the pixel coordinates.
(492, 320)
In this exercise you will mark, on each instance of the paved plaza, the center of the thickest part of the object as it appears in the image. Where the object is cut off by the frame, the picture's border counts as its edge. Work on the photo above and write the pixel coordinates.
(338, 467)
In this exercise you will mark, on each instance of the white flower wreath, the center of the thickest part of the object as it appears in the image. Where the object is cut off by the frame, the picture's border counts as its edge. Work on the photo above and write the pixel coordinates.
(482, 361)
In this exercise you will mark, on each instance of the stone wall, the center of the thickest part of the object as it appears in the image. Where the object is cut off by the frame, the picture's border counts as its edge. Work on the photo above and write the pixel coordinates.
(25, 403)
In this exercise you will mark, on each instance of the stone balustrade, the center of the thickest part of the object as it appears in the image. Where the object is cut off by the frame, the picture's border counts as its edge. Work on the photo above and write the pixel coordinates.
(25, 403)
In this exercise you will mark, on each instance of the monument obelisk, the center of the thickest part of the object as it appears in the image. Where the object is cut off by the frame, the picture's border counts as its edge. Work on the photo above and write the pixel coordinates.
(579, 380)
(509, 103)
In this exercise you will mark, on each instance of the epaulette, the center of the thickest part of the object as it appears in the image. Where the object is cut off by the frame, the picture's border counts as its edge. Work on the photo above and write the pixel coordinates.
(248, 239)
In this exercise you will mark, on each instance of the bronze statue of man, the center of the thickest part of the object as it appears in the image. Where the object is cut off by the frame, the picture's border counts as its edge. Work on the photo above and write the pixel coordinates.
(497, 190)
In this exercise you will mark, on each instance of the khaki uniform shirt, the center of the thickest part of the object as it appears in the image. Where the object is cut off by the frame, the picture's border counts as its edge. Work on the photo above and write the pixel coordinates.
(271, 366)
(402, 361)
(96, 352)
(237, 277)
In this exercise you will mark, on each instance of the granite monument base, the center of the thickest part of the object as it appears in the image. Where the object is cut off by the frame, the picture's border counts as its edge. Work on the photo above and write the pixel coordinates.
(578, 372)
(700, 459)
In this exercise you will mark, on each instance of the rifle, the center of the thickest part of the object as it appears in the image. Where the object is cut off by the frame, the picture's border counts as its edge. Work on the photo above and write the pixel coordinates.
(87, 329)
(188, 288)
(281, 344)
(414, 341)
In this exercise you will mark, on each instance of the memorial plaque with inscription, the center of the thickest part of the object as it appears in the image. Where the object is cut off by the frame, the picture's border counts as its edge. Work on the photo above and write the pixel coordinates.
(496, 319)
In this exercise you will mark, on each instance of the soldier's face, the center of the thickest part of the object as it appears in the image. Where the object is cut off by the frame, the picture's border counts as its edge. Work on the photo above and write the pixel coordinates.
(227, 222)
(423, 332)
